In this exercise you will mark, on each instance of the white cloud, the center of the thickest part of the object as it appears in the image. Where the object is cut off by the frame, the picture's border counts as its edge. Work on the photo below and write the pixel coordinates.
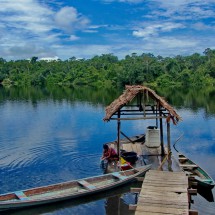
(30, 27)
(201, 26)
(155, 29)
(164, 46)
(69, 19)
(184, 9)
(28, 15)
(126, 1)
(37, 28)
(87, 51)
(174, 43)
(176, 9)
(25, 7)
(73, 38)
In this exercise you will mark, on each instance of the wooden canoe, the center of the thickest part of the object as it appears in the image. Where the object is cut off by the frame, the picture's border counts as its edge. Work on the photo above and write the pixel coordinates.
(69, 190)
(193, 170)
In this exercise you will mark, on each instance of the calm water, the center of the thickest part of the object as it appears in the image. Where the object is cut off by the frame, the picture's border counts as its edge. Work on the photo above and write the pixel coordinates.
(53, 135)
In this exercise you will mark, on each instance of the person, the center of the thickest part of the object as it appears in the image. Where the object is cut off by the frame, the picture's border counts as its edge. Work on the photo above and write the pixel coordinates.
(109, 153)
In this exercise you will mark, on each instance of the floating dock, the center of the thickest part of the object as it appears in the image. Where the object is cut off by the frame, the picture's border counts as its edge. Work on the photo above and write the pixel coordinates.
(164, 192)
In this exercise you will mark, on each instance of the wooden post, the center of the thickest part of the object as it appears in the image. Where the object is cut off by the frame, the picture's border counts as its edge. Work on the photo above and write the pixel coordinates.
(118, 133)
(161, 131)
(156, 116)
(168, 136)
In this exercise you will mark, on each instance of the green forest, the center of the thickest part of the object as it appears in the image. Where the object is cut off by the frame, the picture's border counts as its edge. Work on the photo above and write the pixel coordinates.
(196, 70)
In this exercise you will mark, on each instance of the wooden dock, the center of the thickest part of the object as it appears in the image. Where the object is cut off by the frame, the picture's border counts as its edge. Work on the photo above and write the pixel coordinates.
(162, 193)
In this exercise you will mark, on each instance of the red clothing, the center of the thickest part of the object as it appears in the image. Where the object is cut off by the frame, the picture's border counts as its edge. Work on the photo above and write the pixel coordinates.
(112, 152)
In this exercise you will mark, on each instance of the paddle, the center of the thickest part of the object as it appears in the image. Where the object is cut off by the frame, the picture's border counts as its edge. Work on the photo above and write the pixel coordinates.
(159, 168)
(177, 141)
(170, 152)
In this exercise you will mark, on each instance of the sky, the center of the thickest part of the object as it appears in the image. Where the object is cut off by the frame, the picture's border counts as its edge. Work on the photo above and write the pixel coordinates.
(86, 28)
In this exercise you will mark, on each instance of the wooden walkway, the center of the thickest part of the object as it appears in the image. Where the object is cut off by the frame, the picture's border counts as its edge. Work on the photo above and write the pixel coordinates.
(162, 193)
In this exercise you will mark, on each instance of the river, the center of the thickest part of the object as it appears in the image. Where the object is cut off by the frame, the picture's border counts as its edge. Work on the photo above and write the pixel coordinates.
(50, 135)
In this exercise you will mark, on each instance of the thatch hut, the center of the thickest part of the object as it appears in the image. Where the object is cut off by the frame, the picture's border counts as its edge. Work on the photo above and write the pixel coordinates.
(141, 103)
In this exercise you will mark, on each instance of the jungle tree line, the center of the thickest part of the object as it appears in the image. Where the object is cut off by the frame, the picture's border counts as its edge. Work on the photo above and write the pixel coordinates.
(107, 70)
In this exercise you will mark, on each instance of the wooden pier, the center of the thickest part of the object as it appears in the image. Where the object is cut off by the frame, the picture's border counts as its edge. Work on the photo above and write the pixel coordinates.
(162, 193)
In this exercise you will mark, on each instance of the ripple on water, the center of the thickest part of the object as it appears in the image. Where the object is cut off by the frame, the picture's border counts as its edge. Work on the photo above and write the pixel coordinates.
(83, 164)
(30, 162)
(15, 157)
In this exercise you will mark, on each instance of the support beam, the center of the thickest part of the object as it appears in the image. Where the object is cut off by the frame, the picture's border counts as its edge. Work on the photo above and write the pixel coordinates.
(168, 136)
(118, 134)
(193, 212)
(192, 191)
(161, 131)
(138, 118)
(135, 190)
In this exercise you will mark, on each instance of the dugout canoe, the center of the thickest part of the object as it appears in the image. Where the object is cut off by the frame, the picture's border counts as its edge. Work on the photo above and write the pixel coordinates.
(69, 190)
(194, 170)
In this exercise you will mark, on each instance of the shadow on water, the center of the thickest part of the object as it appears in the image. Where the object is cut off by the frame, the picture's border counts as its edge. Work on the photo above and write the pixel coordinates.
(116, 201)
(205, 193)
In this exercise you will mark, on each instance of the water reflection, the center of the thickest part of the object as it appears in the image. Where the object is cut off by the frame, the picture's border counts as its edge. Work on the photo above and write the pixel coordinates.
(190, 98)
(59, 94)
(56, 134)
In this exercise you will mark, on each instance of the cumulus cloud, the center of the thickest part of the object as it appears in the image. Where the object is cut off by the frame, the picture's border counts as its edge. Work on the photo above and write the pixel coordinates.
(49, 28)
(28, 15)
(70, 20)
(30, 27)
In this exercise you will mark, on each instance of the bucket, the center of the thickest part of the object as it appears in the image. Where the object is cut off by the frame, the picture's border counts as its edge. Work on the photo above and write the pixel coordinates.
(131, 157)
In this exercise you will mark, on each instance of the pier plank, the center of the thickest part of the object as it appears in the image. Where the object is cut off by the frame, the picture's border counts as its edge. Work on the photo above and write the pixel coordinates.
(164, 184)
(180, 189)
(163, 193)
(165, 205)
(181, 199)
(154, 209)
(153, 171)
(161, 182)
(166, 201)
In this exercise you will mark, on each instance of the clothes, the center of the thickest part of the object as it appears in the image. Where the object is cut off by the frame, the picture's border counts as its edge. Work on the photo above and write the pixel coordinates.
(110, 154)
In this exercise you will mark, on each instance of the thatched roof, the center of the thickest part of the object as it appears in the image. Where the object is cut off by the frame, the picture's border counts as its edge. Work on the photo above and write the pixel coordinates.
(130, 93)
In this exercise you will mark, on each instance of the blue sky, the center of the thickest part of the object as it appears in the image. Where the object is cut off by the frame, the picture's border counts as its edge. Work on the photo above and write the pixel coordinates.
(85, 28)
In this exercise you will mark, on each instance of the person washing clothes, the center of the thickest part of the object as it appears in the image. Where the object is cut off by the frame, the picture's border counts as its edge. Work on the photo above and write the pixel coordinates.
(109, 153)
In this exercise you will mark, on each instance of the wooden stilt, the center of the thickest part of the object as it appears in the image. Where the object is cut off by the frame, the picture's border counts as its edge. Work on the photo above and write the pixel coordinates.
(118, 134)
(161, 132)
(168, 136)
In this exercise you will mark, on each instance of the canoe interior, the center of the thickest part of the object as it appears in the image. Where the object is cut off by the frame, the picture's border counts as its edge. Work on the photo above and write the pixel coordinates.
(67, 187)
(197, 171)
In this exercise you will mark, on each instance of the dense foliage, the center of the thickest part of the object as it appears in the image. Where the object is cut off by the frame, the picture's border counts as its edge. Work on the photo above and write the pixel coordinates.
(107, 70)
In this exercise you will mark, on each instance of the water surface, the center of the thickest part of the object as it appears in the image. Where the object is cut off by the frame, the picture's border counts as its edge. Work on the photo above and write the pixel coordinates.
(52, 135)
